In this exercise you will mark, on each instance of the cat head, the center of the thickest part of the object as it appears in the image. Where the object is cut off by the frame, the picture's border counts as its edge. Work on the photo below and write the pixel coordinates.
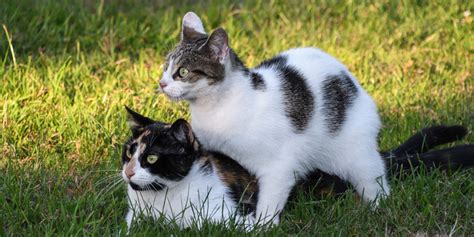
(157, 155)
(199, 62)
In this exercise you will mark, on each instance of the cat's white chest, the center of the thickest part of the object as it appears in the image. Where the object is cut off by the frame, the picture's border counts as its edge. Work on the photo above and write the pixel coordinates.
(247, 140)
(217, 128)
(205, 195)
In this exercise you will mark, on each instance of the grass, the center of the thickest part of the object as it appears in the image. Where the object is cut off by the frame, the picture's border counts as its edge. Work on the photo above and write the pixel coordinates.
(68, 68)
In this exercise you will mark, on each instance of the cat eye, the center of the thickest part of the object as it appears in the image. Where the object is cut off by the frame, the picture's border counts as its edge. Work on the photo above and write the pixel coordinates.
(151, 159)
(182, 72)
(131, 150)
(129, 156)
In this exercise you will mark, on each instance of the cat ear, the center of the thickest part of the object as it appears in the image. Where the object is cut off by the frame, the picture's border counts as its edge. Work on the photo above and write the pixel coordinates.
(183, 132)
(192, 28)
(218, 44)
(137, 122)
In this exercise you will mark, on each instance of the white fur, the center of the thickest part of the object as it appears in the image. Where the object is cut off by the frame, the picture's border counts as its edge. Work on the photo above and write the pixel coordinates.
(251, 127)
(196, 198)
(192, 21)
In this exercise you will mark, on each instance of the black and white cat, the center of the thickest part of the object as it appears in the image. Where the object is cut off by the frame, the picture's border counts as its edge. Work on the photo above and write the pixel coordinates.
(293, 113)
(169, 174)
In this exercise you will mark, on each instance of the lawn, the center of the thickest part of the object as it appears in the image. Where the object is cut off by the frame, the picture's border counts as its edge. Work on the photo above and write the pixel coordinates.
(69, 67)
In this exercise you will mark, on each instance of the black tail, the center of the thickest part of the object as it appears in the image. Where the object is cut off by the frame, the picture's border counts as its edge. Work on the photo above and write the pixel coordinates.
(450, 158)
(413, 152)
(427, 139)
(408, 156)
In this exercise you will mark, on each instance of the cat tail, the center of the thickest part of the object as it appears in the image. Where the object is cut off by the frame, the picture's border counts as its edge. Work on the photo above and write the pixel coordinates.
(453, 158)
(414, 151)
(409, 155)
(427, 139)
(322, 184)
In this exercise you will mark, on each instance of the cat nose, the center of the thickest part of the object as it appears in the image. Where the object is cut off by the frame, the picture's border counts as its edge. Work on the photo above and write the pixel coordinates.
(129, 173)
(163, 84)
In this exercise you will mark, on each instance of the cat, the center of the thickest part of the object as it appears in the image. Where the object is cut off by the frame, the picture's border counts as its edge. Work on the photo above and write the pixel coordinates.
(298, 111)
(168, 173)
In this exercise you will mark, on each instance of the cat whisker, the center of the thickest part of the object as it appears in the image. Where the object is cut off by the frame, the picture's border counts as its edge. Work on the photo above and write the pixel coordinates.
(107, 178)
(109, 188)
(107, 181)
(98, 171)
(104, 180)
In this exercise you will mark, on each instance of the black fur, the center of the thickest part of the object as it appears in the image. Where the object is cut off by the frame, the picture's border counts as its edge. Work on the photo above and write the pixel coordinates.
(278, 61)
(177, 152)
(175, 156)
(318, 183)
(257, 81)
(173, 164)
(429, 138)
(299, 100)
(339, 91)
(137, 121)
(449, 158)
(155, 186)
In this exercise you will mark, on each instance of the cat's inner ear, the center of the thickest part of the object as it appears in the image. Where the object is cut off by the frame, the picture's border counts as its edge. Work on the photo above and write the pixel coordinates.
(192, 28)
(218, 44)
(182, 131)
(137, 122)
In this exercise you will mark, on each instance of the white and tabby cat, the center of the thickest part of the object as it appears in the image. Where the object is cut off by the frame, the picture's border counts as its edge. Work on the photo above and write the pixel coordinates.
(293, 113)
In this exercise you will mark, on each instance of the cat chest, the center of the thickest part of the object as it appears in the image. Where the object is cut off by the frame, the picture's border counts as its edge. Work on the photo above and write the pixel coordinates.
(182, 203)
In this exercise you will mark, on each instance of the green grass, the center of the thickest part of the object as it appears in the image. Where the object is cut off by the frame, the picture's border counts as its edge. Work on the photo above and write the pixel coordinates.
(72, 66)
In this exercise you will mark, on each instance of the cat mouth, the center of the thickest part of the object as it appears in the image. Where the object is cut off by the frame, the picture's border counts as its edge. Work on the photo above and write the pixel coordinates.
(155, 186)
(174, 97)
(172, 94)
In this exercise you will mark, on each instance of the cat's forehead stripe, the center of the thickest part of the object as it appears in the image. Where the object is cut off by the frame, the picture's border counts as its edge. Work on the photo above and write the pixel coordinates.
(139, 140)
(142, 147)
(144, 134)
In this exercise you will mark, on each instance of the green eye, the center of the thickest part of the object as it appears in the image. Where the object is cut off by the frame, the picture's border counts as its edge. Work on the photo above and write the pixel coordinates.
(182, 72)
(152, 159)
(130, 150)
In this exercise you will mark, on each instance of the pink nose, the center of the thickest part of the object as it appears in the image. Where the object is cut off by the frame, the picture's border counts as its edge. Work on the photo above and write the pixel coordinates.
(163, 84)
(129, 173)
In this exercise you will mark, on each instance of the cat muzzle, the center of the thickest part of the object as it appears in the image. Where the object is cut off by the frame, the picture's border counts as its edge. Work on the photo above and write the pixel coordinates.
(155, 186)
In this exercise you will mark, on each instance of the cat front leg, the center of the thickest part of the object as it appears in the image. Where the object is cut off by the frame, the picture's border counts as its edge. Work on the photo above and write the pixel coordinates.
(274, 189)
(129, 219)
